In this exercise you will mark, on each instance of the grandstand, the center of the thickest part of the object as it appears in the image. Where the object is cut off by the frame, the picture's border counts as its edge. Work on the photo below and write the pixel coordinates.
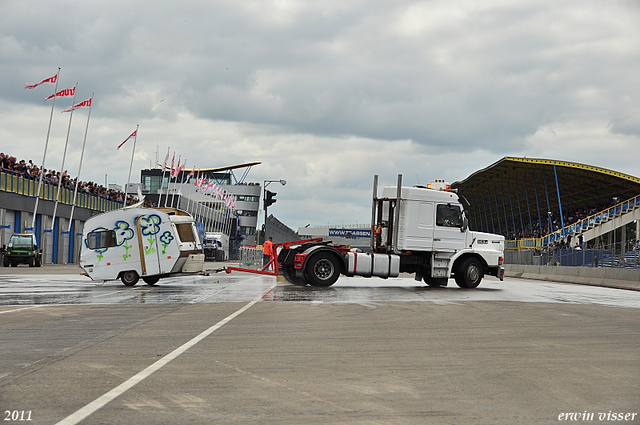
(548, 206)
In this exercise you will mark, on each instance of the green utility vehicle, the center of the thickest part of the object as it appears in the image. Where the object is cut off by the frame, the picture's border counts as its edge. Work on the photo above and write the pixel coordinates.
(22, 248)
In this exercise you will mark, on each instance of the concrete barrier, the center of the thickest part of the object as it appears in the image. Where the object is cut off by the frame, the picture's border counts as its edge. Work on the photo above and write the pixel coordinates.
(601, 276)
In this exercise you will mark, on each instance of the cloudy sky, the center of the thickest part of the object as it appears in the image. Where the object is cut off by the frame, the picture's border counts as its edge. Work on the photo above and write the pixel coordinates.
(325, 93)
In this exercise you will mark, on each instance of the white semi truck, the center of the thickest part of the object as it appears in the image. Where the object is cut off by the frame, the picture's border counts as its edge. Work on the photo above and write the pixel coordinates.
(421, 230)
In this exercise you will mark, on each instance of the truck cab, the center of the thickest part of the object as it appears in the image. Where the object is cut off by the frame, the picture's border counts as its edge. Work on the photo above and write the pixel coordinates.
(427, 226)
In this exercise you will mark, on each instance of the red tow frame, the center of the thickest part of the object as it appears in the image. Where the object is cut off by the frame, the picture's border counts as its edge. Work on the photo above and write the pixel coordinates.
(274, 259)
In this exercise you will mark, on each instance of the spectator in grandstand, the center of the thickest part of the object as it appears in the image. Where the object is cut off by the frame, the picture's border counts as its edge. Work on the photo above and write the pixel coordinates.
(29, 170)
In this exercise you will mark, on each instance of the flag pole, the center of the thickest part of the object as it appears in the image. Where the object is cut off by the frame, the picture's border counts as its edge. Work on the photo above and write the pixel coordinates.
(181, 183)
(190, 190)
(84, 142)
(64, 157)
(44, 156)
(133, 152)
(166, 195)
(175, 182)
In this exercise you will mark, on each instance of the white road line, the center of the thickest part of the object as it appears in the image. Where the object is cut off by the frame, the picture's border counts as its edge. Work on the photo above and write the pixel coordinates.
(103, 400)
(18, 309)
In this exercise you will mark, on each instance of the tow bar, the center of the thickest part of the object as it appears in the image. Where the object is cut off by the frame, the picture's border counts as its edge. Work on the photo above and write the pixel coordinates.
(273, 261)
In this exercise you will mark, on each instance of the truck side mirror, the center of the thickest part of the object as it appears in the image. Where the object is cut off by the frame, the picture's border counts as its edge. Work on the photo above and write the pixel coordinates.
(465, 224)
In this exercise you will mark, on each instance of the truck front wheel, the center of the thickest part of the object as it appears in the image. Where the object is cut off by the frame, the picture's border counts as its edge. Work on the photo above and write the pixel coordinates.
(469, 273)
(129, 278)
(322, 269)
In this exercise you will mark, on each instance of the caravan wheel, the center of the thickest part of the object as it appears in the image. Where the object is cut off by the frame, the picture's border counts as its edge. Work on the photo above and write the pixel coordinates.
(129, 278)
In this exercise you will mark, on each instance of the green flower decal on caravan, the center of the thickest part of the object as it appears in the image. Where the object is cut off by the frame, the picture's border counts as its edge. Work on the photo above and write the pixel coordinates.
(166, 239)
(123, 233)
(150, 224)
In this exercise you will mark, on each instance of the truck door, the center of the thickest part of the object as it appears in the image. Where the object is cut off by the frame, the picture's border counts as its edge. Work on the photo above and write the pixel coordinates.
(448, 235)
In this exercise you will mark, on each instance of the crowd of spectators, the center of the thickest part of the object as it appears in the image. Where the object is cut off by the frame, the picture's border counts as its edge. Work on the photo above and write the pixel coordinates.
(31, 171)
(548, 224)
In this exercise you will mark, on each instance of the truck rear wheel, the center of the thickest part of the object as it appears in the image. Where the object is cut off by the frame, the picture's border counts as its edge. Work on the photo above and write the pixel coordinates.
(469, 274)
(289, 274)
(129, 278)
(322, 269)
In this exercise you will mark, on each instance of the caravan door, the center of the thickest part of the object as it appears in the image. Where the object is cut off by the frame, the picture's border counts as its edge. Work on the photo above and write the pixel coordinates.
(149, 227)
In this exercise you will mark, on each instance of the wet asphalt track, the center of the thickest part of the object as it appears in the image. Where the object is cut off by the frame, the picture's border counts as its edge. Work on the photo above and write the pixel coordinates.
(243, 348)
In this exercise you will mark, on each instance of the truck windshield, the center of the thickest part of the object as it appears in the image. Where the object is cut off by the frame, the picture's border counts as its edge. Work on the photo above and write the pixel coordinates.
(448, 216)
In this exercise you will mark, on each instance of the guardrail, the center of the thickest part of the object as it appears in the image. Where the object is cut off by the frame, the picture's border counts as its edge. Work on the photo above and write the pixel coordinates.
(27, 187)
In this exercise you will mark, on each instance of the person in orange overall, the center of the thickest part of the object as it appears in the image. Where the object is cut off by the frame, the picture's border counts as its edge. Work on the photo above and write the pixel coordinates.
(267, 251)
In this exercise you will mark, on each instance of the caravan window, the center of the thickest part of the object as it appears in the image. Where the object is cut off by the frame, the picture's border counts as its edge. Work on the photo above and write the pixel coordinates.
(185, 232)
(101, 239)
(448, 216)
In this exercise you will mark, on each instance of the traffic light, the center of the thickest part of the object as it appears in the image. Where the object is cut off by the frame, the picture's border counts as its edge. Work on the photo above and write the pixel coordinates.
(270, 199)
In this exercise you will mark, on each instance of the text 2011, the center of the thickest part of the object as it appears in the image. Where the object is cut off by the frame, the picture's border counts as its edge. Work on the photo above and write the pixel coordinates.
(17, 415)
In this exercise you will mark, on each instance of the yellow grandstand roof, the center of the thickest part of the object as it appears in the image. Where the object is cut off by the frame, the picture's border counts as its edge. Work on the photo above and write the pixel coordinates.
(513, 187)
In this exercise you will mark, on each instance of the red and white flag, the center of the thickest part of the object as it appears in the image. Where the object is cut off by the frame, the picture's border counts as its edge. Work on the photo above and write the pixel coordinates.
(64, 93)
(83, 104)
(174, 171)
(50, 80)
(125, 140)
(190, 174)
(166, 158)
(180, 168)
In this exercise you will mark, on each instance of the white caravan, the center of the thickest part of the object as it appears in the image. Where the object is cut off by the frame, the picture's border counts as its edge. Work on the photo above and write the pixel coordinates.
(147, 243)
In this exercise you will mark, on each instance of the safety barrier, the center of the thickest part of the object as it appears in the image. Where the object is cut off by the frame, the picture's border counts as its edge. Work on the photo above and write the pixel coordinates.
(250, 256)
(523, 244)
(28, 187)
